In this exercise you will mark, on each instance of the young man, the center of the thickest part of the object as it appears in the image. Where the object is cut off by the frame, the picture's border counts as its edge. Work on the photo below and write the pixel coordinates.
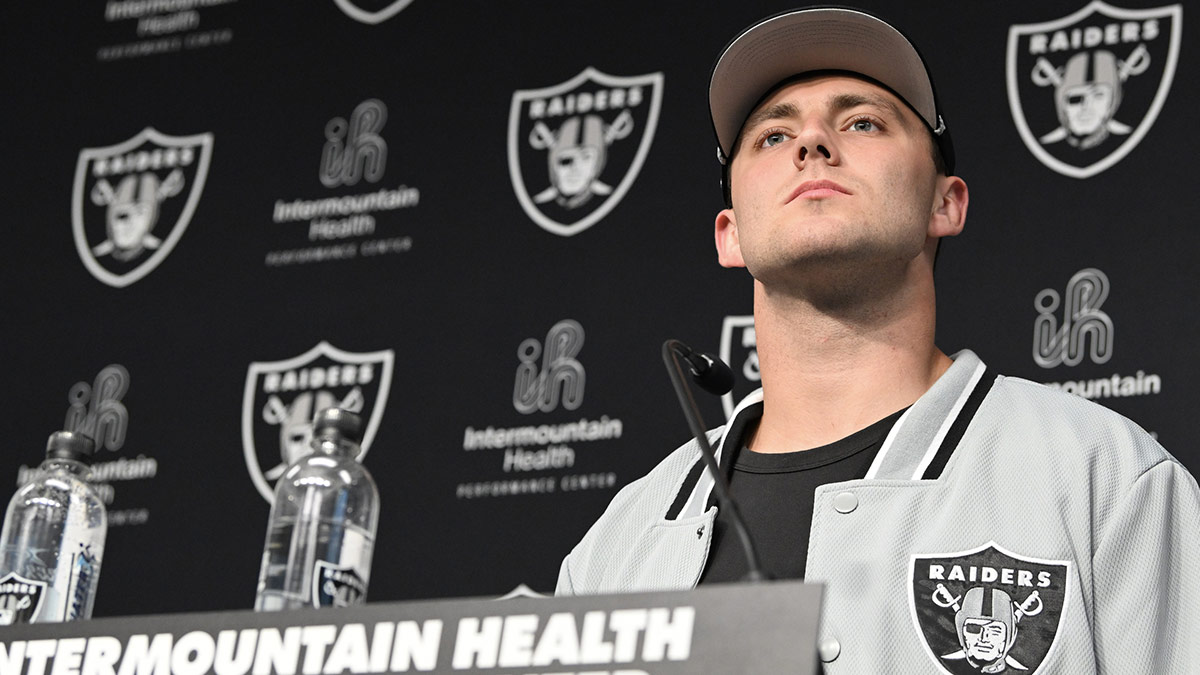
(960, 521)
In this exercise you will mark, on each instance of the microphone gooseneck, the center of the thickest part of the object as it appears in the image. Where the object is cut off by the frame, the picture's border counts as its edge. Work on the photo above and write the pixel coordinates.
(711, 374)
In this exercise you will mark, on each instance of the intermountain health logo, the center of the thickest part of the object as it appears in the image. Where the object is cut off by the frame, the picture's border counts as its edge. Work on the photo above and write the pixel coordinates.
(538, 455)
(133, 201)
(1071, 328)
(161, 27)
(560, 377)
(281, 398)
(575, 149)
(97, 409)
(988, 610)
(739, 349)
(371, 11)
(344, 226)
(1064, 341)
(1085, 89)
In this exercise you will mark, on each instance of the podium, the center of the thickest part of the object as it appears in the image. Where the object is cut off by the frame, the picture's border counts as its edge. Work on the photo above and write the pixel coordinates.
(768, 627)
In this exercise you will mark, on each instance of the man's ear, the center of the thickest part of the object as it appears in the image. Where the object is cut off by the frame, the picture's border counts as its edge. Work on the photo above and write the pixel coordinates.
(729, 247)
(949, 207)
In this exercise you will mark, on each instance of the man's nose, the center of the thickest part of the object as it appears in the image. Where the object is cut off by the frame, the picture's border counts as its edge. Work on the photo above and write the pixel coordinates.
(816, 144)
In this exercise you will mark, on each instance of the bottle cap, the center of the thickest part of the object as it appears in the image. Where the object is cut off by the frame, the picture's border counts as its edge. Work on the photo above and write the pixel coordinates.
(70, 445)
(345, 423)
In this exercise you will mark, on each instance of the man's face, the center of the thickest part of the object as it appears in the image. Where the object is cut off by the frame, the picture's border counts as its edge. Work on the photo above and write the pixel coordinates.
(1087, 107)
(830, 170)
(574, 169)
(985, 639)
(129, 223)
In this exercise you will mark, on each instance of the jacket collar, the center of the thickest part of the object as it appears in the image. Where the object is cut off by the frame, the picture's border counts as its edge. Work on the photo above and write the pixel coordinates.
(917, 447)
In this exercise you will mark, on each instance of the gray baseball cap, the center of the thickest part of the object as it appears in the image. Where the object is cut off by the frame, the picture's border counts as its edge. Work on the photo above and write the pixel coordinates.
(799, 41)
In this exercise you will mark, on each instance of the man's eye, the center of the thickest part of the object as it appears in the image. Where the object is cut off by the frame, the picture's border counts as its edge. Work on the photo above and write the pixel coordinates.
(774, 138)
(863, 125)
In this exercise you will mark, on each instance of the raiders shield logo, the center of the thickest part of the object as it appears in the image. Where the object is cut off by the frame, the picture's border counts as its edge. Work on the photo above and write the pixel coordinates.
(738, 349)
(1085, 89)
(988, 610)
(575, 149)
(281, 398)
(371, 11)
(337, 586)
(132, 202)
(20, 598)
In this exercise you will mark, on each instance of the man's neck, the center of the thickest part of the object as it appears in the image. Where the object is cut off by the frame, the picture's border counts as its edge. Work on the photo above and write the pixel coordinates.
(830, 371)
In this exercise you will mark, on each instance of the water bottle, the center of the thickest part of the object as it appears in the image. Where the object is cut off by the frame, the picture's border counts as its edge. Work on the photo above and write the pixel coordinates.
(53, 538)
(322, 526)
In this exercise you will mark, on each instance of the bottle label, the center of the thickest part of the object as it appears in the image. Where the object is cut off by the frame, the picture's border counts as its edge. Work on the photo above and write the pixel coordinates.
(20, 598)
(84, 570)
(337, 585)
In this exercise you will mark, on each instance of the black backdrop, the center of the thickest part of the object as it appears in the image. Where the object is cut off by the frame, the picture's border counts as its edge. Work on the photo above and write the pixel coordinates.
(450, 286)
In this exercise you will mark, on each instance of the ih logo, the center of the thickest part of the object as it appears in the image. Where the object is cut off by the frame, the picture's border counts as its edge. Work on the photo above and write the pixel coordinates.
(354, 150)
(1055, 344)
(561, 376)
(371, 11)
(575, 149)
(988, 610)
(281, 398)
(96, 410)
(1085, 89)
(132, 202)
(739, 350)
(20, 598)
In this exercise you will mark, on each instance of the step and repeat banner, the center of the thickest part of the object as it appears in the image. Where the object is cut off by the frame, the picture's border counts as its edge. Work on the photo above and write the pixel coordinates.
(475, 223)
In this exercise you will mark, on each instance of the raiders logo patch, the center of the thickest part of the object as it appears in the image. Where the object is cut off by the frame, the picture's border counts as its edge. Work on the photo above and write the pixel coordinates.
(337, 586)
(574, 149)
(20, 599)
(988, 610)
(281, 398)
(371, 11)
(1085, 89)
(739, 349)
(133, 201)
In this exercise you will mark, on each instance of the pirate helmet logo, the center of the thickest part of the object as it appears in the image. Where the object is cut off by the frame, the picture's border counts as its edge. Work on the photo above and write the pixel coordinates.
(281, 398)
(739, 349)
(371, 11)
(20, 598)
(337, 585)
(576, 138)
(1077, 86)
(132, 215)
(987, 610)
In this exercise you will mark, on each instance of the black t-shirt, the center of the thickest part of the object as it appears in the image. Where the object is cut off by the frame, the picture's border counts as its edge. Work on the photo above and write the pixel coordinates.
(775, 495)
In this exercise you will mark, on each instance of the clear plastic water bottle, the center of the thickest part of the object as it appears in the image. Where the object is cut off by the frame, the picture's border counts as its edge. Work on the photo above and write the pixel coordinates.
(322, 527)
(53, 538)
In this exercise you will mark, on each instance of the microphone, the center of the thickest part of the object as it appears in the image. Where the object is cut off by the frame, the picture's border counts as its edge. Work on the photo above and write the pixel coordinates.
(714, 376)
(708, 371)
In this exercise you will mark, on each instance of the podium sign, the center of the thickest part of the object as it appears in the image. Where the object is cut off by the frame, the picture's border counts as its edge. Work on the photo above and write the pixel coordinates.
(763, 628)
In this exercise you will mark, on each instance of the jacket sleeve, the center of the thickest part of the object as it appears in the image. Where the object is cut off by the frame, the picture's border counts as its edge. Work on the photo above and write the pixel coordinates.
(1146, 577)
(564, 587)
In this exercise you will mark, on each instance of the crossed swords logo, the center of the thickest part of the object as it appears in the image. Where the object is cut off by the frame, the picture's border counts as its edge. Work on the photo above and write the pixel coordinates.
(569, 153)
(1032, 606)
(1045, 74)
(278, 413)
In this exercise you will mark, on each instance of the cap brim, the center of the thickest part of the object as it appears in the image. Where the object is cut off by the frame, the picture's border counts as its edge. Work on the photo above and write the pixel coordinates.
(809, 40)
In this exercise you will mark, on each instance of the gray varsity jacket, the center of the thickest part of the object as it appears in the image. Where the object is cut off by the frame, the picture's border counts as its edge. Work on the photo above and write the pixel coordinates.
(1003, 527)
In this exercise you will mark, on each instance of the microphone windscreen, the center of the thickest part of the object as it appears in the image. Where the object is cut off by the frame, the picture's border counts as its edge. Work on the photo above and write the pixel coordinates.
(717, 379)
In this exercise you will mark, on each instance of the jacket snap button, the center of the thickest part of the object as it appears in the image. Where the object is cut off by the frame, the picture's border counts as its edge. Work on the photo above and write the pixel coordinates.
(845, 502)
(829, 649)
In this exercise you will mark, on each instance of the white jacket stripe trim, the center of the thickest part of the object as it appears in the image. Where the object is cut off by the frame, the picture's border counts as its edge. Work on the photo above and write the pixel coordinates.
(933, 448)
